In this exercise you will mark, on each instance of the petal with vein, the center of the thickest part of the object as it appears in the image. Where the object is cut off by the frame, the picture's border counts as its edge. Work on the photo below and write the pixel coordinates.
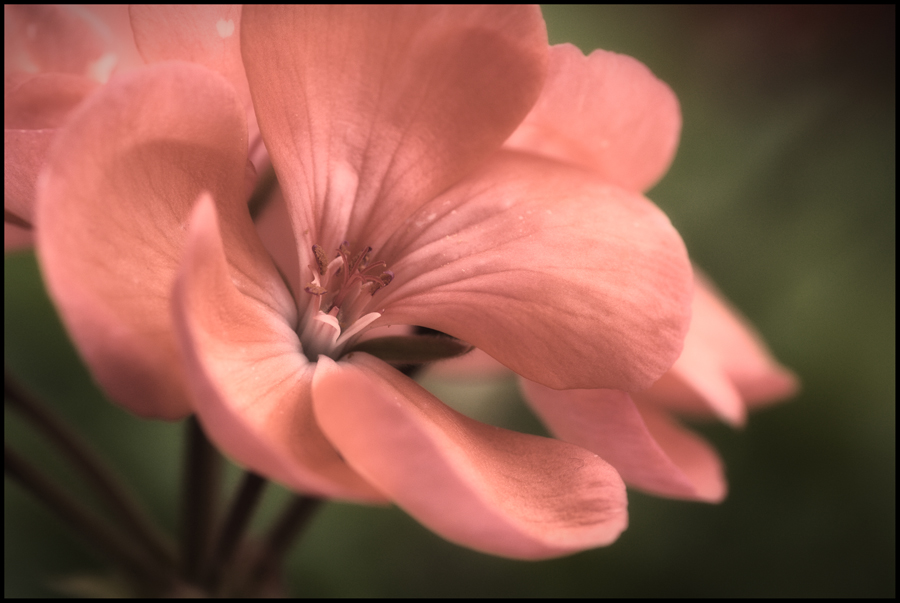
(564, 279)
(370, 111)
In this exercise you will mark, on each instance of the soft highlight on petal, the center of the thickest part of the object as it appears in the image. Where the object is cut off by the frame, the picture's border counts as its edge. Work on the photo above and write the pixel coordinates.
(493, 490)
(606, 113)
(609, 424)
(564, 279)
(250, 379)
(370, 111)
(111, 219)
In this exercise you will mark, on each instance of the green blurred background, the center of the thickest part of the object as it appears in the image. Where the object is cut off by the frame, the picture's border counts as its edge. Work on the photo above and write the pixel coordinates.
(784, 190)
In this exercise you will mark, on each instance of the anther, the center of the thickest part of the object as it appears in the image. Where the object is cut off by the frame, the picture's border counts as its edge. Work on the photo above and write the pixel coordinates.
(321, 259)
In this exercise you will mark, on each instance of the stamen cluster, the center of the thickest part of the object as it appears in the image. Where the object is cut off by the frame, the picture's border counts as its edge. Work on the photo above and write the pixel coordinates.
(340, 286)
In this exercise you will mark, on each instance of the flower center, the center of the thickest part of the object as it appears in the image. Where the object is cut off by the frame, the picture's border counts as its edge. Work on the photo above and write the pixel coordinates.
(341, 289)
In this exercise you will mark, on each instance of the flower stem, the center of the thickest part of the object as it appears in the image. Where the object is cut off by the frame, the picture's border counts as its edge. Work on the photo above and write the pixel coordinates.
(279, 540)
(248, 495)
(202, 475)
(141, 568)
(92, 468)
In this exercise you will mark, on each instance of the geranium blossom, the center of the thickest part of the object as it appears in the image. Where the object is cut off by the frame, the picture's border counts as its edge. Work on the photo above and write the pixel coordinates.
(385, 127)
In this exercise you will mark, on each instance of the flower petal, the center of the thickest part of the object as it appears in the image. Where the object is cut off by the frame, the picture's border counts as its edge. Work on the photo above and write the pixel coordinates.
(725, 365)
(370, 111)
(24, 154)
(608, 423)
(89, 41)
(34, 108)
(250, 379)
(605, 112)
(694, 457)
(273, 224)
(50, 38)
(564, 279)
(43, 101)
(208, 34)
(493, 490)
(112, 206)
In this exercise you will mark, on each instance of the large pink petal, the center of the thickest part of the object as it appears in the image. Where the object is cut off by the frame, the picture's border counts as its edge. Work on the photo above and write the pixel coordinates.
(725, 365)
(369, 111)
(490, 489)
(566, 280)
(250, 379)
(605, 112)
(111, 217)
(608, 423)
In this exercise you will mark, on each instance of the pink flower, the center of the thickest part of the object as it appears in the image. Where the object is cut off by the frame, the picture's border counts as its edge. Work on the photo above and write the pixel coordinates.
(385, 128)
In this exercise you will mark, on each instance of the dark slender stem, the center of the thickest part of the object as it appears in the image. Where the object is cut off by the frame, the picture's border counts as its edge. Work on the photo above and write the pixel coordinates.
(279, 540)
(85, 522)
(245, 501)
(92, 468)
(201, 487)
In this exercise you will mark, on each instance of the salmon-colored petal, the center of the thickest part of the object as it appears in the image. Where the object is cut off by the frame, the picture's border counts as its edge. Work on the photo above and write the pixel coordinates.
(690, 452)
(34, 108)
(112, 210)
(698, 385)
(273, 225)
(250, 379)
(564, 279)
(208, 34)
(493, 490)
(24, 154)
(87, 41)
(741, 351)
(369, 111)
(43, 101)
(725, 366)
(607, 113)
(608, 423)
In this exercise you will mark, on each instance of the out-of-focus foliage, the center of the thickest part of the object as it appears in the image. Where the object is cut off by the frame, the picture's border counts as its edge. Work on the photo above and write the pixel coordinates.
(784, 190)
